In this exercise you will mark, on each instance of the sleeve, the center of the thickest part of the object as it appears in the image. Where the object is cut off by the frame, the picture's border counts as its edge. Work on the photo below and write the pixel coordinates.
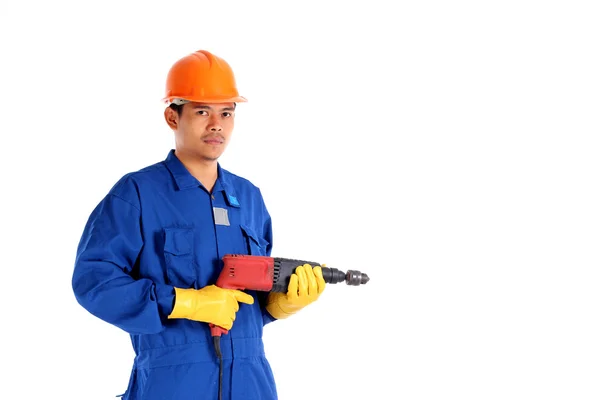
(102, 279)
(268, 236)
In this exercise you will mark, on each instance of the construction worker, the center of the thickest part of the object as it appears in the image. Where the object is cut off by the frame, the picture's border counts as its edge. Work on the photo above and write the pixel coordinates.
(151, 252)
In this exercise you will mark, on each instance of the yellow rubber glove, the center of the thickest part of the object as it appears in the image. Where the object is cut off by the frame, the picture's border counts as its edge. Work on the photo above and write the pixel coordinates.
(305, 287)
(210, 304)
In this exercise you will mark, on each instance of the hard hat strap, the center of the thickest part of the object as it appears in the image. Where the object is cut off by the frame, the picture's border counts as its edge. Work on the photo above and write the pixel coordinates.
(179, 102)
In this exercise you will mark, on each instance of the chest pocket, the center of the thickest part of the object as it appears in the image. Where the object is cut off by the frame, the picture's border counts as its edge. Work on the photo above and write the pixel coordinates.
(179, 256)
(255, 244)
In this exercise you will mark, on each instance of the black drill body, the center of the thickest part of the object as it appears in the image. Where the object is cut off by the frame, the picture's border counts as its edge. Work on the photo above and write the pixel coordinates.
(285, 267)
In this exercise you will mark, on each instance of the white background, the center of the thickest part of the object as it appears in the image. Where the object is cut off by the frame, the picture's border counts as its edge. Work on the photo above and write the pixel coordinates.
(448, 149)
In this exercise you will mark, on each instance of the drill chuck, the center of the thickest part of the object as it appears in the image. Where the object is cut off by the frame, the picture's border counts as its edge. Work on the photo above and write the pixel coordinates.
(285, 267)
(352, 277)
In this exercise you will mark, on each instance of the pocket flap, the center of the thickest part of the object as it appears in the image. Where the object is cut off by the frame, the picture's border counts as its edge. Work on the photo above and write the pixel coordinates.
(250, 233)
(179, 241)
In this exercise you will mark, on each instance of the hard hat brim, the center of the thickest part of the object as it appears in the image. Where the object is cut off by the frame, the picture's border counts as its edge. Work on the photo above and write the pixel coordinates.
(236, 99)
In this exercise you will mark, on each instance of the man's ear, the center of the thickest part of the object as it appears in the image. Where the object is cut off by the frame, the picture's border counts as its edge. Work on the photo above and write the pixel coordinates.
(172, 118)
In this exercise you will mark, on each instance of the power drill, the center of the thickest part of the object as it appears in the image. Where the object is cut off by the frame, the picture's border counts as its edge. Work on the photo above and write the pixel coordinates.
(268, 274)
(272, 274)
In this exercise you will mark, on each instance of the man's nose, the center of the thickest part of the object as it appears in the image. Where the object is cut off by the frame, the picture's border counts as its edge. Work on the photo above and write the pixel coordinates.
(214, 126)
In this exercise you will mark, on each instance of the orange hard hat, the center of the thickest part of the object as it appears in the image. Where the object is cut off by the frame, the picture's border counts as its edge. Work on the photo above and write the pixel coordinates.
(201, 77)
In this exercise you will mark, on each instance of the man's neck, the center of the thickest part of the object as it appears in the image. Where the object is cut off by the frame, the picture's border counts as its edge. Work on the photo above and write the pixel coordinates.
(204, 170)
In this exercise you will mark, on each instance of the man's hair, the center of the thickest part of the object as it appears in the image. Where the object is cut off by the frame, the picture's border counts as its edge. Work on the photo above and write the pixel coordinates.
(176, 107)
(179, 107)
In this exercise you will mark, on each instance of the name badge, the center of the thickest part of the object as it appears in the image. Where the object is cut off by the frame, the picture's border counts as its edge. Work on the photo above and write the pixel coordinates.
(221, 217)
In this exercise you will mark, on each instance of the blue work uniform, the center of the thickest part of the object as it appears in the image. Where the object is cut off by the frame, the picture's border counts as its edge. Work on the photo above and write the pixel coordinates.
(159, 228)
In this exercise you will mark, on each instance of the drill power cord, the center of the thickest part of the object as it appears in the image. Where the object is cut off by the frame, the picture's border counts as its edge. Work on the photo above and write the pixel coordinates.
(217, 343)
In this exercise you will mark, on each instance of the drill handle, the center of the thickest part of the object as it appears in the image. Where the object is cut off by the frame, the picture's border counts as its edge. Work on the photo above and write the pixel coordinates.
(217, 330)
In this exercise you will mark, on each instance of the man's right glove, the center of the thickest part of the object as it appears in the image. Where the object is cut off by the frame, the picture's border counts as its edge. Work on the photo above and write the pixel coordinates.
(210, 304)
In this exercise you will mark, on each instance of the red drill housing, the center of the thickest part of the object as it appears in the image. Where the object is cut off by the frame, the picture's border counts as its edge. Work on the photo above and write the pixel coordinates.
(247, 272)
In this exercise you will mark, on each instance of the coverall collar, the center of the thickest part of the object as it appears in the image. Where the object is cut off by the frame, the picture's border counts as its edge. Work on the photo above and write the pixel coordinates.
(184, 180)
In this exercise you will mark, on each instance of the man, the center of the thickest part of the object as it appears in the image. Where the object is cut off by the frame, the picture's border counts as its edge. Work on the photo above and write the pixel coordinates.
(151, 252)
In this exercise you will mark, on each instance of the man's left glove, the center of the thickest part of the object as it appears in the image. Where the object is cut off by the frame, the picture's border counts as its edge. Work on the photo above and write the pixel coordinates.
(305, 287)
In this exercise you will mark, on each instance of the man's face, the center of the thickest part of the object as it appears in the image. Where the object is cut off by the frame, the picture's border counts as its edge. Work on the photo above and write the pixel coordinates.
(203, 129)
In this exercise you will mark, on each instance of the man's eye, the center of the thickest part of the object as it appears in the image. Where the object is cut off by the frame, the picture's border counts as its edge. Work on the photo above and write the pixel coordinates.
(227, 114)
(202, 112)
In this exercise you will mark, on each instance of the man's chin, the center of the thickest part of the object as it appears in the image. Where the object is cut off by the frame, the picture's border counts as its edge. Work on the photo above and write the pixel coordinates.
(210, 157)
(192, 154)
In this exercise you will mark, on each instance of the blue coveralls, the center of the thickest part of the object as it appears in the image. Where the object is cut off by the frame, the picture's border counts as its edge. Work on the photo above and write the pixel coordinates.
(159, 228)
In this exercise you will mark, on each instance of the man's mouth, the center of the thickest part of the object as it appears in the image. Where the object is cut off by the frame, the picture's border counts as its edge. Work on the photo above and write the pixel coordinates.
(213, 140)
